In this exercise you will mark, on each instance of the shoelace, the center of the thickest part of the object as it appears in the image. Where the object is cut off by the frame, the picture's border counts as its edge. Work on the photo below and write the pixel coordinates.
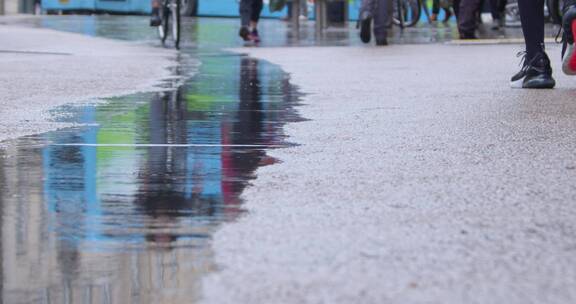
(529, 64)
(523, 62)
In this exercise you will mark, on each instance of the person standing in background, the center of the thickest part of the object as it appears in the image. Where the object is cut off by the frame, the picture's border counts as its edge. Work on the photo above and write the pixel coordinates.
(467, 16)
(381, 12)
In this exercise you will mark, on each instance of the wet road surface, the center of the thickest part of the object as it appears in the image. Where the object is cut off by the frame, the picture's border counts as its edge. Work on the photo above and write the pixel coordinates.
(202, 34)
(120, 209)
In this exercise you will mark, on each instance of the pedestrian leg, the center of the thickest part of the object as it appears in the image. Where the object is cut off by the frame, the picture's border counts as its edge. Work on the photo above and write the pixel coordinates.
(435, 10)
(255, 12)
(502, 10)
(456, 7)
(382, 21)
(249, 16)
(494, 9)
(467, 18)
(367, 9)
(532, 19)
(497, 12)
(245, 12)
(536, 72)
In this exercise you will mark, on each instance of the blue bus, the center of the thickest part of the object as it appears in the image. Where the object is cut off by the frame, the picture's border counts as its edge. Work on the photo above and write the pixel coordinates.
(224, 8)
(110, 6)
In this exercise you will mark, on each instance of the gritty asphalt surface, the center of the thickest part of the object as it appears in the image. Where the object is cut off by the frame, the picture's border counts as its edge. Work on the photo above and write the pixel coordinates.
(42, 69)
(421, 178)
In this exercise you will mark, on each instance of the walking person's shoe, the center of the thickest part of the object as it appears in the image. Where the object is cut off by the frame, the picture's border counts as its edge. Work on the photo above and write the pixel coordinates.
(535, 74)
(381, 41)
(254, 37)
(365, 27)
(569, 28)
(244, 33)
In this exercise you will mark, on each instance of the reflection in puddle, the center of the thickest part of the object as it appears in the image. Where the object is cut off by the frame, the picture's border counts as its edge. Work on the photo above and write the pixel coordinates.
(122, 209)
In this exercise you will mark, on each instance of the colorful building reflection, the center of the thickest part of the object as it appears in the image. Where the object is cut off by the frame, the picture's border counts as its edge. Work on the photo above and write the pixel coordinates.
(122, 209)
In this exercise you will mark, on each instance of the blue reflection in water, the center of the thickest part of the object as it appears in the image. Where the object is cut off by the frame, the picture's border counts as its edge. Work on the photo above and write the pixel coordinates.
(121, 209)
(147, 190)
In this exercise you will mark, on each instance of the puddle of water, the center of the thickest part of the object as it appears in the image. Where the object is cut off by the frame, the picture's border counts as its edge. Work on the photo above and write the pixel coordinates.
(121, 209)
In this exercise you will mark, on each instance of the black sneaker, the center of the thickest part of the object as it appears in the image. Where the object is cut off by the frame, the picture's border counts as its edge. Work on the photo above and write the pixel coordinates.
(365, 24)
(536, 74)
(569, 28)
(244, 33)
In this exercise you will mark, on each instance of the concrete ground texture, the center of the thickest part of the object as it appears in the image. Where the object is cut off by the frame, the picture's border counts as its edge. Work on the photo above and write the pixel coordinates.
(421, 177)
(42, 69)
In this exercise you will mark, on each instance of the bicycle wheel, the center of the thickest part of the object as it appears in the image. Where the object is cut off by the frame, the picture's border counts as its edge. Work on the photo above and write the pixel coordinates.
(409, 13)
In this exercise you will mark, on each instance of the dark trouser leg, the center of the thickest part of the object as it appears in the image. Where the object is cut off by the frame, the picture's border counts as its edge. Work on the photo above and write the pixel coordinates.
(468, 11)
(495, 9)
(382, 18)
(245, 12)
(257, 6)
(436, 7)
(456, 7)
(367, 8)
(532, 18)
(502, 7)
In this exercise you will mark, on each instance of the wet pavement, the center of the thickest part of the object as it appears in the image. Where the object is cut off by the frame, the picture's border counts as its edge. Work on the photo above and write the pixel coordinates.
(204, 34)
(120, 208)
(421, 177)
